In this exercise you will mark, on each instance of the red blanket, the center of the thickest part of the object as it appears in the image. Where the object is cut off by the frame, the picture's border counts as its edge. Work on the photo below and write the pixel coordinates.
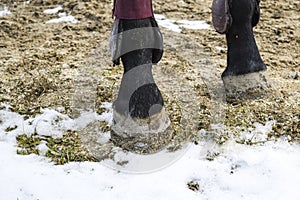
(133, 9)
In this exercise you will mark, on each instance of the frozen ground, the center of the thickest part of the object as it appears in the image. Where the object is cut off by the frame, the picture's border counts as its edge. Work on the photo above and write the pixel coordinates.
(266, 171)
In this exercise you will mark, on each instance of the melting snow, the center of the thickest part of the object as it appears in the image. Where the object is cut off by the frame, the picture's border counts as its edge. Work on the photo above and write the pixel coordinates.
(5, 11)
(53, 10)
(177, 25)
(63, 17)
(221, 48)
(197, 24)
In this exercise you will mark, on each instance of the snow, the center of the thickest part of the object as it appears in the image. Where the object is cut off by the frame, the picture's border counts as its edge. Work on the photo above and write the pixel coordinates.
(221, 48)
(43, 148)
(5, 11)
(49, 123)
(167, 23)
(53, 10)
(63, 17)
(259, 133)
(177, 25)
(197, 24)
(269, 170)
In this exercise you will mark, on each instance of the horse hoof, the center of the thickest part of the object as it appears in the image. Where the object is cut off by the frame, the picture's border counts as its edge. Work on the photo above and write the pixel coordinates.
(143, 136)
(247, 86)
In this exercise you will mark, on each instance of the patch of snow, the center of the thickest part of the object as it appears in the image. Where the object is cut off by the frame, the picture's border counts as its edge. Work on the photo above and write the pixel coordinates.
(8, 120)
(197, 24)
(259, 133)
(177, 25)
(63, 14)
(266, 171)
(53, 10)
(48, 123)
(84, 119)
(5, 11)
(167, 23)
(51, 123)
(104, 137)
(108, 115)
(63, 17)
(107, 105)
(43, 148)
(221, 48)
(60, 109)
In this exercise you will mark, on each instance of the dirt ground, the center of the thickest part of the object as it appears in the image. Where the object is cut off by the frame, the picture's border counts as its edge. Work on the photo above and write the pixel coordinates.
(39, 61)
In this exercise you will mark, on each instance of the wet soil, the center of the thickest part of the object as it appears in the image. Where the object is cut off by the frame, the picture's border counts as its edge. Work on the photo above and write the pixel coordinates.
(39, 61)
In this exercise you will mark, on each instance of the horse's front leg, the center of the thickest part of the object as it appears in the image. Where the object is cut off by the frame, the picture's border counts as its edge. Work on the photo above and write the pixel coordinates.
(140, 122)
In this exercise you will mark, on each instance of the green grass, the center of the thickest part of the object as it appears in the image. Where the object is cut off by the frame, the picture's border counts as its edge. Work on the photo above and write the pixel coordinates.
(61, 150)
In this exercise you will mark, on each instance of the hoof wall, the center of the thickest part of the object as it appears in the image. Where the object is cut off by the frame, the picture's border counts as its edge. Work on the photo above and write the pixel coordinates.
(247, 86)
(142, 136)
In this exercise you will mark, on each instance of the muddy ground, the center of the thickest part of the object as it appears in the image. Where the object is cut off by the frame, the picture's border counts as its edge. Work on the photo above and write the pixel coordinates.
(39, 61)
